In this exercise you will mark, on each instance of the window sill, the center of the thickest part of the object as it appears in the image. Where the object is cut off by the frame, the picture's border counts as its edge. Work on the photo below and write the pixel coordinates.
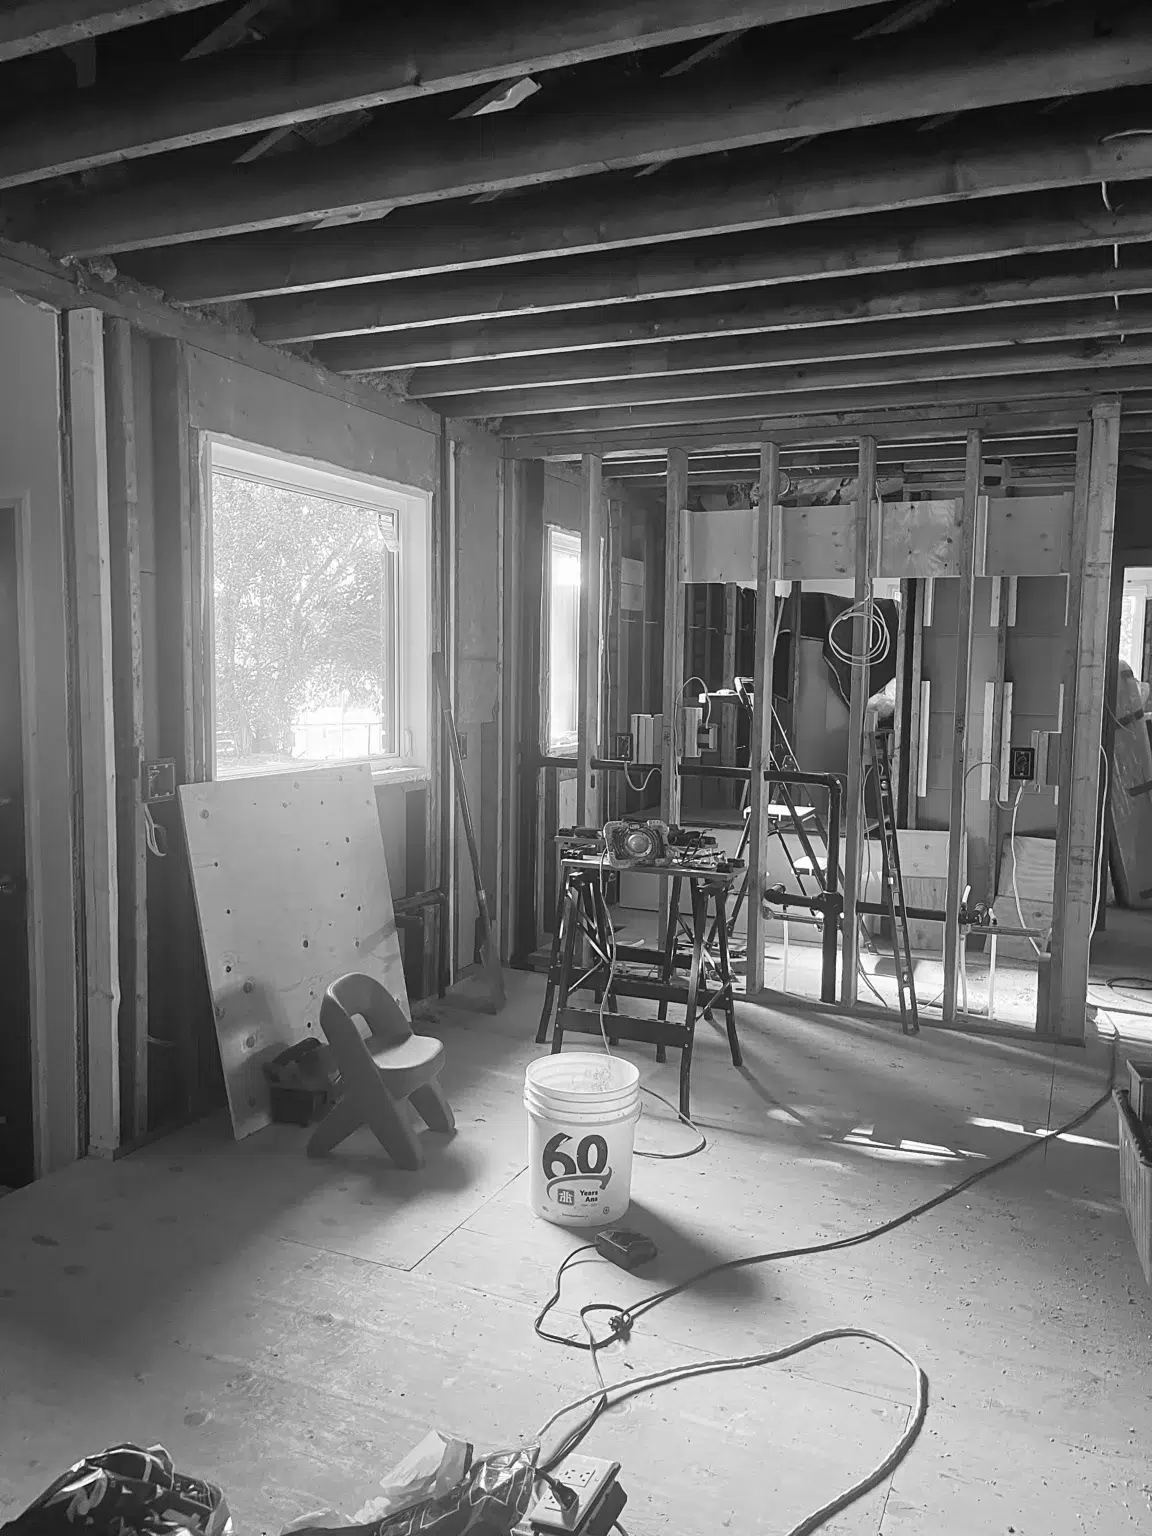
(401, 773)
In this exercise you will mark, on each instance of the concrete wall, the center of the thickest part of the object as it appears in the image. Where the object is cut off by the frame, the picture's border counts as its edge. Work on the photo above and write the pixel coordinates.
(30, 476)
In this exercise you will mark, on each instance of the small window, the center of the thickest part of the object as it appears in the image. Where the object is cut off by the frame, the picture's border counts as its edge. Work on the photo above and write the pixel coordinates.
(563, 640)
(319, 621)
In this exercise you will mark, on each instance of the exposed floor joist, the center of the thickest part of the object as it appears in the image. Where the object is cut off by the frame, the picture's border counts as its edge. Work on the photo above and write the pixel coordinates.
(616, 366)
(375, 64)
(825, 181)
(1066, 58)
(902, 242)
(35, 26)
(964, 291)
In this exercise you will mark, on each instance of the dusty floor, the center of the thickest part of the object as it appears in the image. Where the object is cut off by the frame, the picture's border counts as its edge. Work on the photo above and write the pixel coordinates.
(291, 1328)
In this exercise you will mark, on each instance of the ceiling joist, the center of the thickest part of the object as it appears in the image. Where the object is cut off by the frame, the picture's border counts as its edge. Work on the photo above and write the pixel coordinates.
(823, 183)
(659, 122)
(380, 63)
(35, 26)
(1075, 220)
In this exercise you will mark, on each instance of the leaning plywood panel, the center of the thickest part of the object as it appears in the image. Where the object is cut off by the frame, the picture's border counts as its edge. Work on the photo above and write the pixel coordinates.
(1130, 795)
(291, 891)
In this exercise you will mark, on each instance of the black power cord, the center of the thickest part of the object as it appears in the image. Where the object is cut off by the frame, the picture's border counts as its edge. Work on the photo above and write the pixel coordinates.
(622, 1320)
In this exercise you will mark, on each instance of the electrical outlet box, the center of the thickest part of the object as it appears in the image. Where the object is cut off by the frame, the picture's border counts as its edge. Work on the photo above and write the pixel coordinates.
(463, 745)
(1022, 764)
(158, 780)
(589, 1478)
(622, 746)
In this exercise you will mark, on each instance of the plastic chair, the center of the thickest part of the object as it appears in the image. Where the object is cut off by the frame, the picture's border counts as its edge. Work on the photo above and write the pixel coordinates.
(378, 1071)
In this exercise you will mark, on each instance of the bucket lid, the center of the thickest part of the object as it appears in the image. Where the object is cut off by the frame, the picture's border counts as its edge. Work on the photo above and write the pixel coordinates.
(577, 1074)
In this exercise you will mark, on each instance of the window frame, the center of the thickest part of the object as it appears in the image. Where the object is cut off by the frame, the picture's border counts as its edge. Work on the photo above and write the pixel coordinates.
(413, 508)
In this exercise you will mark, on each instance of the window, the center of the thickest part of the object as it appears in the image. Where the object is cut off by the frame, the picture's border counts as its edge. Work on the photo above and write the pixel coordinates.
(319, 616)
(563, 639)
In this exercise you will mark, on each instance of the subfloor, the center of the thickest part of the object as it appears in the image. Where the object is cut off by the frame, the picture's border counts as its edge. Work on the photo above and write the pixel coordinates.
(290, 1328)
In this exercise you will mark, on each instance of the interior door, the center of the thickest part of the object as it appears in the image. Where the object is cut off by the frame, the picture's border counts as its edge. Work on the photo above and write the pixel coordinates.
(16, 1146)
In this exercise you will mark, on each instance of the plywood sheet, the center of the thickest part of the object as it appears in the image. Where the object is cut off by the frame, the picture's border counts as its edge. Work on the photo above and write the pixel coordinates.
(291, 892)
(814, 542)
(721, 546)
(1028, 536)
(1035, 863)
(920, 539)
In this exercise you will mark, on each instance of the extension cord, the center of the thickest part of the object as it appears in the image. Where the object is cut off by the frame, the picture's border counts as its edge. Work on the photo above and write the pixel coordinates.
(592, 1480)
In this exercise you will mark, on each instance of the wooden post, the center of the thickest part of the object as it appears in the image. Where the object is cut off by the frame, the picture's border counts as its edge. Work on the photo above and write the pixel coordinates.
(675, 578)
(997, 788)
(916, 722)
(615, 657)
(530, 535)
(1074, 893)
(857, 707)
(89, 487)
(128, 711)
(650, 648)
(588, 684)
(795, 615)
(760, 741)
(176, 497)
(729, 713)
(900, 731)
(957, 815)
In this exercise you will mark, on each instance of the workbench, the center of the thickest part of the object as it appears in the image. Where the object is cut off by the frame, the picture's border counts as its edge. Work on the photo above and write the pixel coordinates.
(696, 977)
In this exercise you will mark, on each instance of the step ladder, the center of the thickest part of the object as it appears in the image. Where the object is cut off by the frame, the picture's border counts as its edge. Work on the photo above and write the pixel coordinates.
(893, 886)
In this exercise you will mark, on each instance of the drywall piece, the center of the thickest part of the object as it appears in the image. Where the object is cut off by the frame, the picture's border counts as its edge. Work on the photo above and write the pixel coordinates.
(920, 538)
(291, 892)
(1028, 536)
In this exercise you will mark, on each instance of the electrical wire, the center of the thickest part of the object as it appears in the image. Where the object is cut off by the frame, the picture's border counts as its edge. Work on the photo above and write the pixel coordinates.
(879, 642)
(156, 837)
(667, 1157)
(622, 1321)
(648, 777)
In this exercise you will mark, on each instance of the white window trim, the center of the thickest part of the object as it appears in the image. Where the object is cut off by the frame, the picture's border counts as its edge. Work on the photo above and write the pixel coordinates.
(414, 519)
(563, 746)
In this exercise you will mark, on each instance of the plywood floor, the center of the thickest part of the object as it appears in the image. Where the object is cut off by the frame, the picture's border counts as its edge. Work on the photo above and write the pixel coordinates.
(290, 1329)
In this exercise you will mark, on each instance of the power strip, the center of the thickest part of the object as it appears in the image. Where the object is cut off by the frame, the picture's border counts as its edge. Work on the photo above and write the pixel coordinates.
(589, 1478)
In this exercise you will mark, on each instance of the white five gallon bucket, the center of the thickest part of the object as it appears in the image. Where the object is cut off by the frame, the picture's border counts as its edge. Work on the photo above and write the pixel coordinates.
(582, 1112)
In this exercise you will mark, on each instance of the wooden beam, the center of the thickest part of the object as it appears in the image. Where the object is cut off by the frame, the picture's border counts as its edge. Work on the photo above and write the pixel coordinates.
(588, 797)
(760, 740)
(752, 410)
(891, 425)
(898, 243)
(675, 579)
(87, 437)
(638, 369)
(734, 384)
(128, 711)
(1074, 892)
(789, 307)
(471, 158)
(355, 68)
(35, 26)
(824, 182)
(957, 815)
(729, 715)
(855, 829)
